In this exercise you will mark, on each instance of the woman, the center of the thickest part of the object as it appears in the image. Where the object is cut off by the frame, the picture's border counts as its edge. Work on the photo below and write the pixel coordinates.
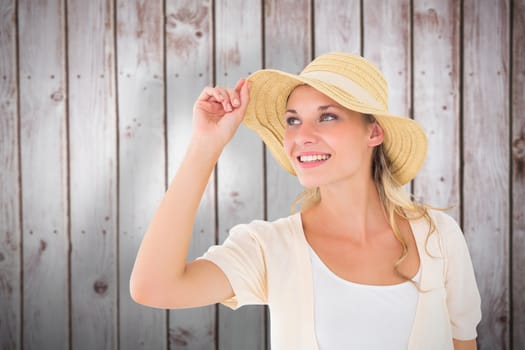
(361, 265)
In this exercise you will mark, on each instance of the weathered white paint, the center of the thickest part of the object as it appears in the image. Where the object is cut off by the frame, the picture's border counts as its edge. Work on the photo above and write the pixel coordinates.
(44, 174)
(337, 26)
(436, 68)
(93, 174)
(486, 207)
(518, 175)
(10, 230)
(140, 64)
(480, 178)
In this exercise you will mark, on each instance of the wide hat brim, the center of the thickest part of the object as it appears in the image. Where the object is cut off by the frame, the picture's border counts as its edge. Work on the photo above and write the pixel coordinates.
(405, 142)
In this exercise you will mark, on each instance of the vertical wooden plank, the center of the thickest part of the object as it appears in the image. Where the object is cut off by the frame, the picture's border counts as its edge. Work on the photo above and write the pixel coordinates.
(337, 26)
(188, 63)
(44, 174)
(10, 235)
(486, 161)
(518, 174)
(287, 40)
(386, 42)
(140, 54)
(436, 100)
(93, 165)
(240, 169)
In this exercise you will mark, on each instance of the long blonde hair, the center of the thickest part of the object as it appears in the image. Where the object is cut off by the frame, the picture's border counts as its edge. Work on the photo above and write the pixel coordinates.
(395, 200)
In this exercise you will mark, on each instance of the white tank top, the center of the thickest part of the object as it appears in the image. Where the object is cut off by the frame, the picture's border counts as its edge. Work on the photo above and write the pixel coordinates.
(357, 316)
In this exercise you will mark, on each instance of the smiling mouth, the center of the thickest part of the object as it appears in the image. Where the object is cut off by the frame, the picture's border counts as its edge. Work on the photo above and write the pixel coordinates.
(313, 158)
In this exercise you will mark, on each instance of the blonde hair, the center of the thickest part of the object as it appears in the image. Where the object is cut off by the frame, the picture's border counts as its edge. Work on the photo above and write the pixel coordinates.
(396, 202)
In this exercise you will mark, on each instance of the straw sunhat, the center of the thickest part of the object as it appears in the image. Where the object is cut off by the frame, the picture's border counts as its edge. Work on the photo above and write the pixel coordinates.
(353, 82)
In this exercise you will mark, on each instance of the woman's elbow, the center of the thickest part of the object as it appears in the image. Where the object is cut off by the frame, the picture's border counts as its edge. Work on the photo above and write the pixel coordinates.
(143, 291)
(139, 292)
(151, 294)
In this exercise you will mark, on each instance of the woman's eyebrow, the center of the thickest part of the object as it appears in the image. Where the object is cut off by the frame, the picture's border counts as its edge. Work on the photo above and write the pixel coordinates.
(293, 111)
(324, 108)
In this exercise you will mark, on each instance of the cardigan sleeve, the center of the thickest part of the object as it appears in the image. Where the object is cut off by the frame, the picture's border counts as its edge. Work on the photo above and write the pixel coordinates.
(242, 260)
(463, 299)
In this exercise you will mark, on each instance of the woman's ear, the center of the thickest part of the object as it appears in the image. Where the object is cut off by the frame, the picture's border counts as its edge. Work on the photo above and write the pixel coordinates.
(377, 135)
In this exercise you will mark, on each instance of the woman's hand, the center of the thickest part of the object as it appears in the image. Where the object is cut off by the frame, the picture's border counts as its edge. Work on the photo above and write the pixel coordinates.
(218, 112)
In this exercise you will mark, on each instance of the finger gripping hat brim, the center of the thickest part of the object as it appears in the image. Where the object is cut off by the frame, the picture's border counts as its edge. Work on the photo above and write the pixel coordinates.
(354, 83)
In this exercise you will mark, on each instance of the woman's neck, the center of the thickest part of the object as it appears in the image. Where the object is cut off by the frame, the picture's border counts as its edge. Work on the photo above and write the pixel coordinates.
(351, 209)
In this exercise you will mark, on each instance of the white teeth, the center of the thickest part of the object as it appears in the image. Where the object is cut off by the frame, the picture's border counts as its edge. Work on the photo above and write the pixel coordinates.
(313, 158)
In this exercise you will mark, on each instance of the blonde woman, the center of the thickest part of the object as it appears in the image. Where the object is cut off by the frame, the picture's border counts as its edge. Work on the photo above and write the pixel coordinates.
(360, 266)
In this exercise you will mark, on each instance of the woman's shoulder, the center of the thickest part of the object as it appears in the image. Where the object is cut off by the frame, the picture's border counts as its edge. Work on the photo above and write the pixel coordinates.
(439, 234)
(442, 219)
(435, 224)
(448, 229)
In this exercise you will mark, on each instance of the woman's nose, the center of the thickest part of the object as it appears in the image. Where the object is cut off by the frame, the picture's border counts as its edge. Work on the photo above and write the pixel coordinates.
(306, 133)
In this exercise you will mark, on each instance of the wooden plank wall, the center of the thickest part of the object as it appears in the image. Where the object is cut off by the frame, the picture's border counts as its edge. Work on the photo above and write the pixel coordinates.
(92, 158)
(189, 67)
(95, 113)
(517, 111)
(486, 107)
(44, 184)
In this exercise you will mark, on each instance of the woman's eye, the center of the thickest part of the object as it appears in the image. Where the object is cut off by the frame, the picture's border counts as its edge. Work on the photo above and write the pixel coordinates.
(292, 121)
(328, 117)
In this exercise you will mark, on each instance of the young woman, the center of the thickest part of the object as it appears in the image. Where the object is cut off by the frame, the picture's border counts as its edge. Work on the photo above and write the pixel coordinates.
(361, 266)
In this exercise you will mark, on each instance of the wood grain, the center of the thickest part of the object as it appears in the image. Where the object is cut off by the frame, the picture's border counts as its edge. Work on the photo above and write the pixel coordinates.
(10, 234)
(93, 174)
(436, 67)
(337, 26)
(518, 175)
(240, 184)
(189, 57)
(288, 47)
(142, 168)
(119, 164)
(386, 42)
(44, 174)
(486, 162)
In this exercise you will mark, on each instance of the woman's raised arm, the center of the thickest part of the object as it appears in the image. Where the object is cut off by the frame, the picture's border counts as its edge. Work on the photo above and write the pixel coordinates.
(161, 277)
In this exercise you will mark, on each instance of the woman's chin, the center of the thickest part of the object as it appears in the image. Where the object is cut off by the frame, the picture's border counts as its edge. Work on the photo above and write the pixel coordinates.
(309, 182)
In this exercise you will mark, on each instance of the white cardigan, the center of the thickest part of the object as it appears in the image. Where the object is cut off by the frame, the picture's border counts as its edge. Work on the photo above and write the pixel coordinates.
(268, 263)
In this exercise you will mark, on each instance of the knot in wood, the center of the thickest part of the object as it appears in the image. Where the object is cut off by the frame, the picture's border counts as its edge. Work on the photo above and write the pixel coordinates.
(57, 96)
(518, 149)
(100, 287)
(181, 337)
(171, 21)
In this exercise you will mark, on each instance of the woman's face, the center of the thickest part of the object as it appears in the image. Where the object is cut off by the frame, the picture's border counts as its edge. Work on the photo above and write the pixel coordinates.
(325, 142)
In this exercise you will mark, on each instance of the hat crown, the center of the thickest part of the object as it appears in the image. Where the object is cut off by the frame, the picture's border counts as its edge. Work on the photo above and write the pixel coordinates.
(353, 74)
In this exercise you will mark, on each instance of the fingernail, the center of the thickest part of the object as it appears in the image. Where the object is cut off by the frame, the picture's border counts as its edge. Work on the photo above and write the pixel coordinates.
(235, 102)
(229, 107)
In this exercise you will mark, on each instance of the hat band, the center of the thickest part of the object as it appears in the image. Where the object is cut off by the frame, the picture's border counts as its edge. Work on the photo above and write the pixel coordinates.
(345, 84)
